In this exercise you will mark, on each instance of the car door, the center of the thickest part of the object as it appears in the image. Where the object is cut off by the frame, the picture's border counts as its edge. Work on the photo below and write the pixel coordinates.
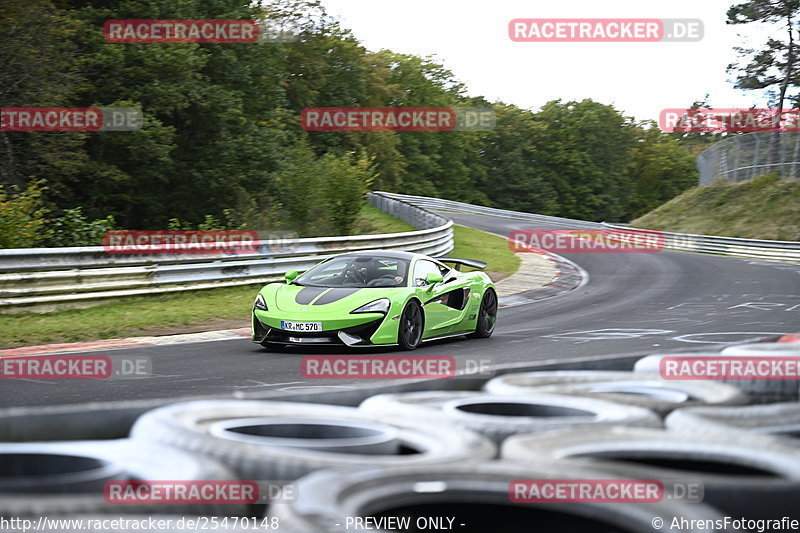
(444, 302)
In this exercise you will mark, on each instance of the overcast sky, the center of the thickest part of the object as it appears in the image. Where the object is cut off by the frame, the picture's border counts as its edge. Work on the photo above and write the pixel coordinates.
(470, 38)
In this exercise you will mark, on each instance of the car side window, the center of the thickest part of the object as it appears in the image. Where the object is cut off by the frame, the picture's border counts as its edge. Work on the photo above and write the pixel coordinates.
(446, 272)
(421, 270)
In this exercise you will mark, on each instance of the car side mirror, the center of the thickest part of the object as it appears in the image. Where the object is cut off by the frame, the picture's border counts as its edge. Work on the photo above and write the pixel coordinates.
(291, 275)
(433, 278)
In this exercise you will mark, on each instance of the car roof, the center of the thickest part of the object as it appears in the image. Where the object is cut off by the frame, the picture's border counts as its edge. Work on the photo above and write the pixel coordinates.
(397, 254)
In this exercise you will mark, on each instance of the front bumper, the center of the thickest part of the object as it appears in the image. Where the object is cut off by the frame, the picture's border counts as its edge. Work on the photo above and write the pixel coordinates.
(362, 330)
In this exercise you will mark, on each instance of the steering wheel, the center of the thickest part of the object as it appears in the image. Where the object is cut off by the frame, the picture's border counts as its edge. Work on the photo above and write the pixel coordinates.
(350, 275)
(375, 282)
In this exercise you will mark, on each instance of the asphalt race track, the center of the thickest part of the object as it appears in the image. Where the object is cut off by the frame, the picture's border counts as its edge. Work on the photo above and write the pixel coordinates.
(632, 302)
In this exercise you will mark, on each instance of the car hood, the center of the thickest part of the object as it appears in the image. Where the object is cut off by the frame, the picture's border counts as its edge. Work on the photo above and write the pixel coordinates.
(297, 298)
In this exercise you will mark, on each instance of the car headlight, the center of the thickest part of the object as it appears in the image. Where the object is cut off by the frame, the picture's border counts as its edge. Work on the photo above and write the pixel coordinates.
(378, 306)
(260, 304)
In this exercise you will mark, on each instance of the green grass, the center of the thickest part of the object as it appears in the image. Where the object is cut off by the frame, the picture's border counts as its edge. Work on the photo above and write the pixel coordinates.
(765, 208)
(132, 316)
(210, 309)
(475, 244)
(372, 221)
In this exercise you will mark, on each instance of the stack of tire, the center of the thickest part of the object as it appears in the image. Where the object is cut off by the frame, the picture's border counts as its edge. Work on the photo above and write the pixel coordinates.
(448, 458)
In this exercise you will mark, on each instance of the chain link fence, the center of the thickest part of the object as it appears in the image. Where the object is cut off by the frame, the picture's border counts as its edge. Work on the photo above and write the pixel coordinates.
(746, 156)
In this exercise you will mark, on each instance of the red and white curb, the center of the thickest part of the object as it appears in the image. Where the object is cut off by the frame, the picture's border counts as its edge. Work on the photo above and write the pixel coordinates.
(568, 277)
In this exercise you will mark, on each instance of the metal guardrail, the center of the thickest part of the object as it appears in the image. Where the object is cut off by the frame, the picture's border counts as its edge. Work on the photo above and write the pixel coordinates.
(41, 279)
(451, 205)
(784, 251)
(765, 250)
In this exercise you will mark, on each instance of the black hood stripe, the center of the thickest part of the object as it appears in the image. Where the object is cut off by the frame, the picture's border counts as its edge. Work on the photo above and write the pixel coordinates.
(307, 294)
(334, 295)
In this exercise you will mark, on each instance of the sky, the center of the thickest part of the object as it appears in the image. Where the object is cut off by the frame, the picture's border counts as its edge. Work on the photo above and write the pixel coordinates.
(470, 38)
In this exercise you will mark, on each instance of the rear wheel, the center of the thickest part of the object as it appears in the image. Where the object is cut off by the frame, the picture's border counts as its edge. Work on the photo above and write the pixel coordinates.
(487, 315)
(412, 322)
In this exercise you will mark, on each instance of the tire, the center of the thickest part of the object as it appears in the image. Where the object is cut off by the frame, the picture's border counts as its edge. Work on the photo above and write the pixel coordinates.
(764, 348)
(759, 390)
(750, 476)
(189, 426)
(487, 315)
(476, 498)
(768, 391)
(81, 468)
(779, 420)
(498, 417)
(643, 390)
(411, 327)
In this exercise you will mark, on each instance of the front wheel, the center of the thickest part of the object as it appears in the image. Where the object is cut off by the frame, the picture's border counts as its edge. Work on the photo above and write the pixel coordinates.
(487, 315)
(411, 323)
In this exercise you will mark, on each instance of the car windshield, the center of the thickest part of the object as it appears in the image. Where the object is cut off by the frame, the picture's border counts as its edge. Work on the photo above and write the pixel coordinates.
(357, 271)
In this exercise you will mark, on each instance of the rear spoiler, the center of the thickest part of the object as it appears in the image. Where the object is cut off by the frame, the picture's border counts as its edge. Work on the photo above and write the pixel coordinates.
(480, 265)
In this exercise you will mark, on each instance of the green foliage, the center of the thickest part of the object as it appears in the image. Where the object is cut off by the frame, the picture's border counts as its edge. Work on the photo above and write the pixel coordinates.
(659, 169)
(73, 228)
(345, 182)
(222, 147)
(23, 222)
(323, 196)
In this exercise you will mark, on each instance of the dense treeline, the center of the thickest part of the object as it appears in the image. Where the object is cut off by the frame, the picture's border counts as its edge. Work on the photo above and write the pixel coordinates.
(222, 143)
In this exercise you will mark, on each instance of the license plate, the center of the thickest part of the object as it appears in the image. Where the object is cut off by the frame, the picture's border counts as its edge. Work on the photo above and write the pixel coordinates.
(301, 326)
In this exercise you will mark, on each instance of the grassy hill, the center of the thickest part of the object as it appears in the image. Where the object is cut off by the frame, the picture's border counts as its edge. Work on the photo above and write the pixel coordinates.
(765, 208)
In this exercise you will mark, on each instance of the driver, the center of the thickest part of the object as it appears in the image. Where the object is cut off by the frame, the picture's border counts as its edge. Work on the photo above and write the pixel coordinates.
(401, 272)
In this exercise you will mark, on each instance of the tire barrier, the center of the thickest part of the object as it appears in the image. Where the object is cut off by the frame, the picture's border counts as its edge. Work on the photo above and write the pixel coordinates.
(780, 420)
(415, 454)
(638, 389)
(66, 478)
(239, 434)
(498, 417)
(764, 348)
(752, 476)
(759, 390)
(476, 496)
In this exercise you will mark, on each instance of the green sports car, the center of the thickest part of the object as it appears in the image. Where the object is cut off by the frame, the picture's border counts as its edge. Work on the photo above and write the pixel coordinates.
(376, 298)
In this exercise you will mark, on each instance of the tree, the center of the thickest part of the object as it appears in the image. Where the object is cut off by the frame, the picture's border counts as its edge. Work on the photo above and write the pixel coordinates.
(38, 67)
(583, 149)
(513, 177)
(659, 169)
(774, 65)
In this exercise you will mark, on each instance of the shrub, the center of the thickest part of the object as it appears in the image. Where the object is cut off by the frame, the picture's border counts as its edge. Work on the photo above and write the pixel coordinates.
(74, 229)
(22, 216)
